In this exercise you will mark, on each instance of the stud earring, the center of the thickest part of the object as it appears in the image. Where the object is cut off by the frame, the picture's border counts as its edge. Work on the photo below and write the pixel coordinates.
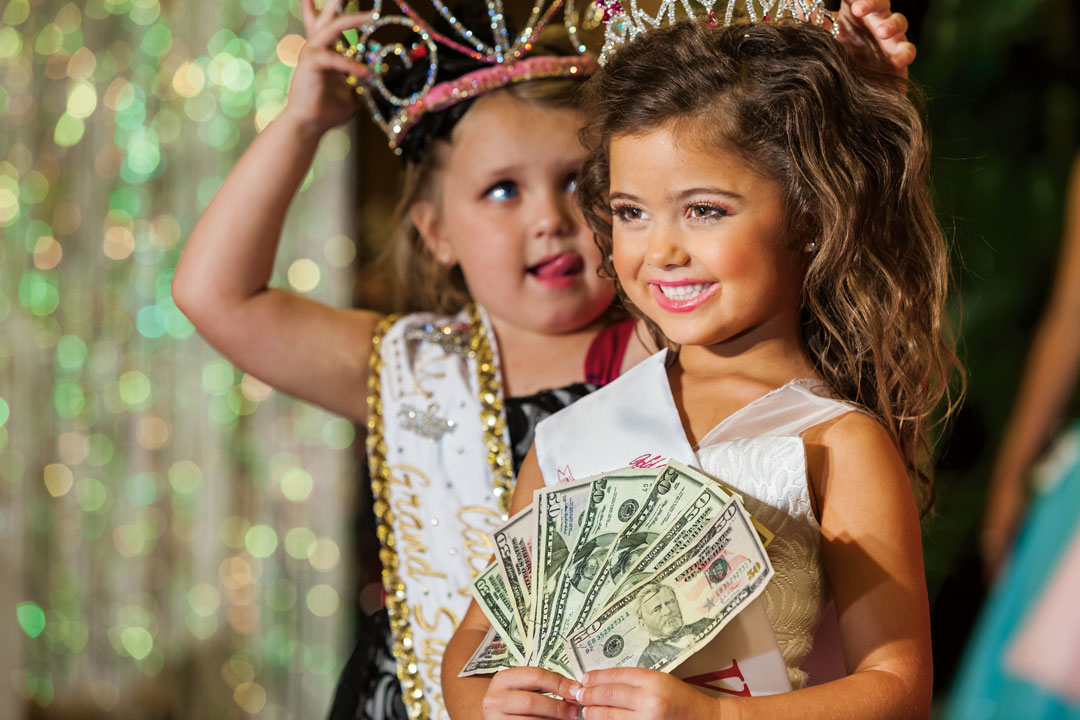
(810, 246)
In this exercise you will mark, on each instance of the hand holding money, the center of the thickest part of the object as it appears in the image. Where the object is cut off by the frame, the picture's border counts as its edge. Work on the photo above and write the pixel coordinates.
(629, 568)
(644, 695)
(532, 692)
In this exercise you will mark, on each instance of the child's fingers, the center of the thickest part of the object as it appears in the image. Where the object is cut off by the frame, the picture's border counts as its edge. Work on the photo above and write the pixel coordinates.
(307, 14)
(523, 703)
(332, 8)
(327, 35)
(625, 697)
(861, 8)
(903, 55)
(606, 713)
(324, 59)
(536, 680)
(616, 676)
(878, 17)
(883, 24)
(893, 25)
(888, 29)
(899, 52)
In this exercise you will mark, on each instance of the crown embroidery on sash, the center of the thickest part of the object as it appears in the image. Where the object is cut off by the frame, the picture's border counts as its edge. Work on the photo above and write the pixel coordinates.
(427, 424)
(452, 337)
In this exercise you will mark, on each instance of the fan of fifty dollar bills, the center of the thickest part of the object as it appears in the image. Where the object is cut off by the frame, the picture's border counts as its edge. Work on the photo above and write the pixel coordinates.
(630, 568)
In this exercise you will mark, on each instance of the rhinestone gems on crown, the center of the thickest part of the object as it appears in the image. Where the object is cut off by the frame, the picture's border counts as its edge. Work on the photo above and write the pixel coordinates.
(624, 22)
(395, 114)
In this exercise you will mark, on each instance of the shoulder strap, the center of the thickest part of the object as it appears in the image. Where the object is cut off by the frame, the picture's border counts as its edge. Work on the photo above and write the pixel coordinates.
(790, 410)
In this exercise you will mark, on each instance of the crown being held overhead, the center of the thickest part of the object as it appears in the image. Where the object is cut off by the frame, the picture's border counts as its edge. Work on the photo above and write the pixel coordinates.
(500, 59)
(624, 24)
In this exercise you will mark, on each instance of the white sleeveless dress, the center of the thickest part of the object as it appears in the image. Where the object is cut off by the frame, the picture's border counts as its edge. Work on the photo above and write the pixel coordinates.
(758, 451)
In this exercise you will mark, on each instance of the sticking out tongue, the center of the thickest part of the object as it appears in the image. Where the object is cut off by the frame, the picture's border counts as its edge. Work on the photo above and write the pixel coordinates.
(562, 264)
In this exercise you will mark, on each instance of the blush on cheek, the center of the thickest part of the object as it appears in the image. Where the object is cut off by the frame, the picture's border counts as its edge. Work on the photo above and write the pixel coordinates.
(626, 259)
(735, 263)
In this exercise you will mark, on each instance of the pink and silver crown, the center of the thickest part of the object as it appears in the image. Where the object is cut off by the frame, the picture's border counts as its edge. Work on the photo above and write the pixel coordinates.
(504, 58)
(623, 23)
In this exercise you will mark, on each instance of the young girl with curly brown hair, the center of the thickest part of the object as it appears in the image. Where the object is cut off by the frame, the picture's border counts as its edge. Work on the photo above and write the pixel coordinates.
(763, 204)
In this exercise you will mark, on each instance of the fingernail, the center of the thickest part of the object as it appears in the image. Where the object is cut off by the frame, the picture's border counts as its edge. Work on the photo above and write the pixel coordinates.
(575, 690)
(578, 692)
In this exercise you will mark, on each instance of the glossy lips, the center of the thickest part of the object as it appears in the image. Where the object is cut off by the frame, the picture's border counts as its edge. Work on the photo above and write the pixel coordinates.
(559, 270)
(682, 296)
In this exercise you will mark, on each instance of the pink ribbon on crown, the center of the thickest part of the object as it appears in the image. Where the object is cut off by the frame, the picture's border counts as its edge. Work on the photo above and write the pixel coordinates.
(484, 80)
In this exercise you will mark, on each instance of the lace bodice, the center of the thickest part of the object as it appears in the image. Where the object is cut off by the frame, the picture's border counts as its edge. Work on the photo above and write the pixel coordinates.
(772, 478)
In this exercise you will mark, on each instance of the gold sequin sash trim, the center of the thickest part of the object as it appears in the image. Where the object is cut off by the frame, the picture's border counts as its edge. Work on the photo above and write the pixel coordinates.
(408, 668)
(491, 411)
(494, 425)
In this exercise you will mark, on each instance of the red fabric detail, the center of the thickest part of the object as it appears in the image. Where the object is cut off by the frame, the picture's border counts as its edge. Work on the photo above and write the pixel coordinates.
(710, 680)
(605, 357)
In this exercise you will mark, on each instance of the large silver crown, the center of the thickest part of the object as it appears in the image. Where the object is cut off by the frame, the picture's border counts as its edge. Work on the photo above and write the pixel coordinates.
(403, 36)
(624, 23)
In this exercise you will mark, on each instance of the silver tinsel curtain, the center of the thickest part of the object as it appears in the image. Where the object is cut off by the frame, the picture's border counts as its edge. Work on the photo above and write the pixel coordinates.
(171, 530)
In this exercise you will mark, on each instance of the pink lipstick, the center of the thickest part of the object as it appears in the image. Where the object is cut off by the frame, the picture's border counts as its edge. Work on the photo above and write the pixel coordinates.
(684, 295)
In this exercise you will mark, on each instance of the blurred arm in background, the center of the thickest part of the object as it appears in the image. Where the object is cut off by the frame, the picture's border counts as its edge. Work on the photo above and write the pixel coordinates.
(1047, 384)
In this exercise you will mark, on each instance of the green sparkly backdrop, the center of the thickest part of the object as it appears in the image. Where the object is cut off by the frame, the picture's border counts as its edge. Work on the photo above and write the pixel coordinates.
(171, 530)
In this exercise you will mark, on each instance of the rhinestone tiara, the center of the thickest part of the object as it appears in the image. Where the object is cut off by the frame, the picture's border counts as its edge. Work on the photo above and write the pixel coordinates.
(504, 58)
(623, 24)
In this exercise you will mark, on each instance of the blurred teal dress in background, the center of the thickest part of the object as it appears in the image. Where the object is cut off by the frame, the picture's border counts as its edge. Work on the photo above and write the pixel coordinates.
(989, 684)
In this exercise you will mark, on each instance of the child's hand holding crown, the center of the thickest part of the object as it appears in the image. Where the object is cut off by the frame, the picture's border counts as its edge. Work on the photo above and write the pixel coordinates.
(876, 35)
(319, 97)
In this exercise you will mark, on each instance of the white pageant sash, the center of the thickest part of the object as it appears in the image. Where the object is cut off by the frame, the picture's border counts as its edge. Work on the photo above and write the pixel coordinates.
(441, 506)
(633, 421)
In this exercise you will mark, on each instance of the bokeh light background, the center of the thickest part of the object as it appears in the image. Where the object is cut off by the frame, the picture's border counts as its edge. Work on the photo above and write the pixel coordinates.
(171, 530)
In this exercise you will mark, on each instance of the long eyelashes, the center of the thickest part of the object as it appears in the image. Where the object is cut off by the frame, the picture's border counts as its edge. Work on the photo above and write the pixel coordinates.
(694, 212)
(626, 213)
(704, 212)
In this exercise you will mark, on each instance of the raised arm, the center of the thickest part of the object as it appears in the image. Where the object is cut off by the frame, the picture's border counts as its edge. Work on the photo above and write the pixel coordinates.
(1053, 368)
(510, 693)
(302, 347)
